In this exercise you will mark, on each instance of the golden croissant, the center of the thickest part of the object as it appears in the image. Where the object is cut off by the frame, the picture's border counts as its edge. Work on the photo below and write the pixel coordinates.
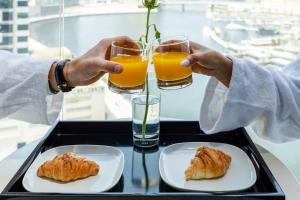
(68, 167)
(208, 163)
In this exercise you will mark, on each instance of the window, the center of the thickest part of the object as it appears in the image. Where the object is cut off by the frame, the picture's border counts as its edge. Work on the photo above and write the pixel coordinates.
(5, 28)
(23, 39)
(22, 3)
(6, 3)
(7, 16)
(22, 15)
(23, 50)
(264, 31)
(22, 27)
(6, 40)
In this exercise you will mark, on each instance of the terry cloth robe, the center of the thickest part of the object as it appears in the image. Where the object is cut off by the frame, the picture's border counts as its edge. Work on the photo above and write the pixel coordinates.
(24, 90)
(266, 98)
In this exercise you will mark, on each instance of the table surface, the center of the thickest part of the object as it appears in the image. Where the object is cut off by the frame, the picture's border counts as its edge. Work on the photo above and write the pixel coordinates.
(10, 165)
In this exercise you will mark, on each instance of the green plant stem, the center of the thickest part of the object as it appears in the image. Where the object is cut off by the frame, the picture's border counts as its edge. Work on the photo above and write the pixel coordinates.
(144, 127)
(147, 24)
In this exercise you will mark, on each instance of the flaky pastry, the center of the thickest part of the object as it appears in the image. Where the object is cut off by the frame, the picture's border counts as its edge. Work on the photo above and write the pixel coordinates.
(68, 167)
(208, 163)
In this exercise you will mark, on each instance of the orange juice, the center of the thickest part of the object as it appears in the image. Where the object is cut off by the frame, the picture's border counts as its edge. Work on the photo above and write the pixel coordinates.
(134, 71)
(167, 66)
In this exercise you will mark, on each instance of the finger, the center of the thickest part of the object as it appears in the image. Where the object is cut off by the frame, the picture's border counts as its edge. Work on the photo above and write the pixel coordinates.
(126, 42)
(202, 70)
(101, 65)
(104, 46)
(195, 47)
(122, 45)
(169, 41)
(108, 53)
(107, 41)
(173, 46)
(193, 59)
(123, 38)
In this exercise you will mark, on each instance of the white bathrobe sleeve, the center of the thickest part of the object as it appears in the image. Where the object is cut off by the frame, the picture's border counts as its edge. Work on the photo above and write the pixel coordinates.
(266, 98)
(24, 91)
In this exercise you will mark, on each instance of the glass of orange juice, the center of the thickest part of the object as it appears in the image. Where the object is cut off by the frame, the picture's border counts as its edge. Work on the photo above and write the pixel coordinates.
(134, 59)
(167, 56)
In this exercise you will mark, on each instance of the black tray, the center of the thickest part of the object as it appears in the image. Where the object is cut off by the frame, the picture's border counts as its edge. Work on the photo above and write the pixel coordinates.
(141, 179)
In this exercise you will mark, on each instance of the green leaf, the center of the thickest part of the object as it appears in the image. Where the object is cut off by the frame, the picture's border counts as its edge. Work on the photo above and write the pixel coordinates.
(157, 35)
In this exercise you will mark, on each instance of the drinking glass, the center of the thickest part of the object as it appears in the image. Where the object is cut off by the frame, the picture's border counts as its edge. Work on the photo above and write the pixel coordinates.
(151, 136)
(134, 60)
(168, 53)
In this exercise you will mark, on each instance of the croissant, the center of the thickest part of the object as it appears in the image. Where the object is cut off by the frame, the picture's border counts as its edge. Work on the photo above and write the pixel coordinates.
(68, 167)
(208, 163)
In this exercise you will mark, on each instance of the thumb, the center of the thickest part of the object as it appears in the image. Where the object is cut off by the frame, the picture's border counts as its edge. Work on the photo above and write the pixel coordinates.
(101, 65)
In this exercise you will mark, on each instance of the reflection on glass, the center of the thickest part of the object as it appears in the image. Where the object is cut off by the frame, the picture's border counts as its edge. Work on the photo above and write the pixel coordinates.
(145, 171)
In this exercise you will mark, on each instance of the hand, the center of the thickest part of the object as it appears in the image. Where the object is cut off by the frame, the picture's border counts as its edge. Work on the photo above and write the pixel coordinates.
(208, 62)
(91, 66)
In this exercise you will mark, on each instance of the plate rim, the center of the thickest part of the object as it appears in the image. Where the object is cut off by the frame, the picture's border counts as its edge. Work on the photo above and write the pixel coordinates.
(92, 145)
(195, 190)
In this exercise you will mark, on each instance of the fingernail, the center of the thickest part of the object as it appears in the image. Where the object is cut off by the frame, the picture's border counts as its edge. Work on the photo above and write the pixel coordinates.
(185, 63)
(118, 68)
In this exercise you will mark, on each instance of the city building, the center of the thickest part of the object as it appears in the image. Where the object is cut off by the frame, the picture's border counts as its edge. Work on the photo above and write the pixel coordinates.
(51, 7)
(14, 25)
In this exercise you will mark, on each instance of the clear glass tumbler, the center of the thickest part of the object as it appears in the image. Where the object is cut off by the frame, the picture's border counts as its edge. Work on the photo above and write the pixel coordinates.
(168, 53)
(134, 59)
(151, 136)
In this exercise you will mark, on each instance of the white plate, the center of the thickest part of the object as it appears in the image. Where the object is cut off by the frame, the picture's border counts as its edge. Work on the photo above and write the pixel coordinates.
(175, 158)
(111, 161)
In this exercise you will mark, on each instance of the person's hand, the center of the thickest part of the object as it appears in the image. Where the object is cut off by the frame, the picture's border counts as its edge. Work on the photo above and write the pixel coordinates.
(208, 62)
(91, 66)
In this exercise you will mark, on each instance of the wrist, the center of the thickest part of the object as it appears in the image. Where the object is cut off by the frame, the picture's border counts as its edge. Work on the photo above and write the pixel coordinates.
(61, 73)
(52, 80)
(225, 71)
(66, 74)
